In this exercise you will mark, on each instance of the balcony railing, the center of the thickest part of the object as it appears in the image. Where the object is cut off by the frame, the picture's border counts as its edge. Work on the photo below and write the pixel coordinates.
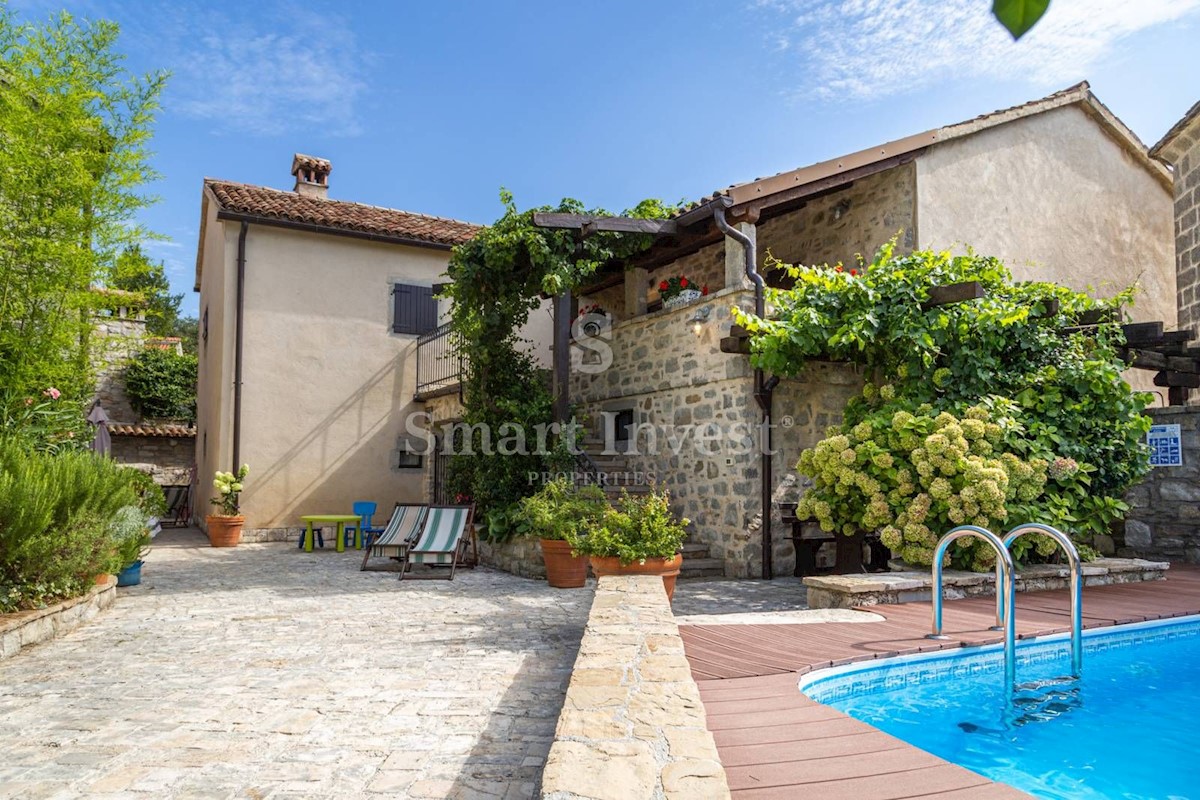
(439, 362)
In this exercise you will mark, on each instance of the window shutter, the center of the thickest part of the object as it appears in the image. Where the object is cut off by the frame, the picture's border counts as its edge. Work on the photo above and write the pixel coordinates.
(415, 309)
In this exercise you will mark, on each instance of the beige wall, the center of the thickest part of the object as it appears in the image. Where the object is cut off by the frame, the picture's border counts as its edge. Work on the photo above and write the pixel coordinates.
(327, 386)
(214, 389)
(1056, 199)
(842, 225)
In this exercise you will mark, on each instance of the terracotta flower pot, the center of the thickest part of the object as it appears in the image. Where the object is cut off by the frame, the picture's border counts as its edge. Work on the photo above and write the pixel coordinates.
(668, 568)
(563, 570)
(225, 531)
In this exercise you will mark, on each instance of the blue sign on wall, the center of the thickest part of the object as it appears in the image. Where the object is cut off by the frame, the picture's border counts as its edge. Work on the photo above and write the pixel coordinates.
(1166, 449)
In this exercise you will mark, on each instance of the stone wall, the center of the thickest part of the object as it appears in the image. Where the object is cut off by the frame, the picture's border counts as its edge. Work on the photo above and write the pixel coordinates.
(676, 379)
(168, 459)
(521, 556)
(1187, 228)
(26, 628)
(632, 724)
(118, 338)
(843, 224)
(680, 385)
(1164, 518)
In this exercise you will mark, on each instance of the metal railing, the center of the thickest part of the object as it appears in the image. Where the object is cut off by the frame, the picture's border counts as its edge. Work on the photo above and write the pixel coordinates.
(1076, 567)
(1004, 566)
(440, 361)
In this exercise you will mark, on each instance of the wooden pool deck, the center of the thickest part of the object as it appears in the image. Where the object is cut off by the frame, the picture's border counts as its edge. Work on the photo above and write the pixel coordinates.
(774, 742)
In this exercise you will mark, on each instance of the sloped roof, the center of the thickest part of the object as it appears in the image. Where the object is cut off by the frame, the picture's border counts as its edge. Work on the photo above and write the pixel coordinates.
(759, 190)
(1183, 134)
(260, 201)
(148, 429)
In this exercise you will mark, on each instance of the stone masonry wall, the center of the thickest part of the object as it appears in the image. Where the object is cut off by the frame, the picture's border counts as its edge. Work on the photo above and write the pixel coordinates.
(118, 338)
(1187, 231)
(632, 723)
(837, 227)
(168, 459)
(1163, 522)
(675, 379)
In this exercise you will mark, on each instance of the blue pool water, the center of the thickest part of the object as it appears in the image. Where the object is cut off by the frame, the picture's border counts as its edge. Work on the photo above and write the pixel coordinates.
(1129, 729)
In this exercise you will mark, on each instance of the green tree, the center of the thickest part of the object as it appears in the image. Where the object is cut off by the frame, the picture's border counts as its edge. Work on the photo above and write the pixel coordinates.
(135, 272)
(74, 125)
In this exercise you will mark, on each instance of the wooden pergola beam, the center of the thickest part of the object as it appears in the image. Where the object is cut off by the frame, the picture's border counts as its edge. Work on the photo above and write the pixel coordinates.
(587, 224)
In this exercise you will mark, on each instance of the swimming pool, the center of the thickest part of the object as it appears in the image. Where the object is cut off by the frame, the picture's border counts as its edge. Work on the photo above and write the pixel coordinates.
(1128, 729)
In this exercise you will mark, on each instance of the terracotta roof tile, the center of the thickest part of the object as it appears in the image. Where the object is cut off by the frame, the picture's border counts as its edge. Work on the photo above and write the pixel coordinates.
(338, 214)
(146, 429)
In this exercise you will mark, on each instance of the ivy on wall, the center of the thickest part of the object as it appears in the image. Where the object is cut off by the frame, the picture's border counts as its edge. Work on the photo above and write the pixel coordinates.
(1002, 409)
(498, 278)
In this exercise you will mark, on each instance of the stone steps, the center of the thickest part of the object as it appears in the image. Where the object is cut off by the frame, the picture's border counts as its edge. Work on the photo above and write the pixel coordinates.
(622, 473)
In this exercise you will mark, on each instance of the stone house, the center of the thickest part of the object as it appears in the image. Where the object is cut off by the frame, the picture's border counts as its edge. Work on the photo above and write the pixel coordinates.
(1164, 518)
(1180, 148)
(310, 313)
(1059, 188)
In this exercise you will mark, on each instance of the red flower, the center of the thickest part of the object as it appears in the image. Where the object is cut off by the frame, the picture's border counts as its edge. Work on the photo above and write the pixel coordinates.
(683, 282)
(662, 287)
(838, 268)
(704, 290)
(853, 272)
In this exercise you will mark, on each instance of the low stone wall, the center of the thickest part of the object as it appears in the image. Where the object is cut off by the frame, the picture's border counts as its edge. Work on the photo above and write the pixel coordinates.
(521, 556)
(26, 628)
(890, 588)
(1164, 509)
(632, 724)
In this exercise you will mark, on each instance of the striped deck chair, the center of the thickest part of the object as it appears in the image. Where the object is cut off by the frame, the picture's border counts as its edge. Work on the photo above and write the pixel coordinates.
(443, 540)
(399, 534)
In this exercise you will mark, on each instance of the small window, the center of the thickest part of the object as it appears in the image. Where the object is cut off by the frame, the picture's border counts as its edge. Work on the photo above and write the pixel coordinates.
(204, 327)
(414, 309)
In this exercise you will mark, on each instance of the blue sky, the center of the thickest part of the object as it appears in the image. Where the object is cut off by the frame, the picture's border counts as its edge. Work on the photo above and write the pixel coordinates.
(432, 107)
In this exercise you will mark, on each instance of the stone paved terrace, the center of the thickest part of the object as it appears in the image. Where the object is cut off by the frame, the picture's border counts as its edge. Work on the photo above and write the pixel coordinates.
(265, 672)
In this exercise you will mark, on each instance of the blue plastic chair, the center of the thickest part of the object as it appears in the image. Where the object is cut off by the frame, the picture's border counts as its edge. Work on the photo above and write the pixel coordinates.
(364, 510)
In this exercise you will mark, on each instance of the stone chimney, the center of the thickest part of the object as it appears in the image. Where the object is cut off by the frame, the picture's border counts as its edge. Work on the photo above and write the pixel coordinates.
(312, 175)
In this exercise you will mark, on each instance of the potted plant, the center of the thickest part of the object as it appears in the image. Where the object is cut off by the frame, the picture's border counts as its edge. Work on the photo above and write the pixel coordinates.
(678, 291)
(558, 514)
(132, 535)
(225, 527)
(639, 537)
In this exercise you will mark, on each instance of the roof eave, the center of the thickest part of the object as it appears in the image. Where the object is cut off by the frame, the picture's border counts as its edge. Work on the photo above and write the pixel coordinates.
(312, 227)
(1166, 150)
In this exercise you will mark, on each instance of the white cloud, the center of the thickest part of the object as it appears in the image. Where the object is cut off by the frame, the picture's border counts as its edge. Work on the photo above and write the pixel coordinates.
(285, 72)
(863, 49)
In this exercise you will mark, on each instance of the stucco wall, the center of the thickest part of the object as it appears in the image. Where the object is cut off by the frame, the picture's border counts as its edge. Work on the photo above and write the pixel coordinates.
(839, 226)
(1056, 199)
(327, 385)
(214, 387)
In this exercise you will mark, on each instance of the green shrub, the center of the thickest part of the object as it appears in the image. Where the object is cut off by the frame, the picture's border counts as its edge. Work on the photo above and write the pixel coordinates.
(1005, 408)
(56, 523)
(151, 498)
(162, 384)
(561, 510)
(47, 422)
(640, 528)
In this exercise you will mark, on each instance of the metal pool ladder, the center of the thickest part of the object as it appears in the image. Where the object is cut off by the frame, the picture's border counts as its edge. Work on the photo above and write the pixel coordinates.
(1006, 604)
(1076, 567)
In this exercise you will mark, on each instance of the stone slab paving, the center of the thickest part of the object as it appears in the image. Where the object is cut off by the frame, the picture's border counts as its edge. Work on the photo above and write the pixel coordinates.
(265, 672)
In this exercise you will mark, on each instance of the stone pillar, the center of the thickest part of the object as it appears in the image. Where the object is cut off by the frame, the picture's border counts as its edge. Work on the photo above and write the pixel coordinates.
(636, 282)
(735, 259)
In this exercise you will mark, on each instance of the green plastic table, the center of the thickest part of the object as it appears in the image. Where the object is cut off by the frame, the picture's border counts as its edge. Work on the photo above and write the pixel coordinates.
(341, 520)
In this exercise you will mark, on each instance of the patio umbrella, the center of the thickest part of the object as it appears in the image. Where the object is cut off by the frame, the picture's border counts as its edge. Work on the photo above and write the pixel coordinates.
(102, 442)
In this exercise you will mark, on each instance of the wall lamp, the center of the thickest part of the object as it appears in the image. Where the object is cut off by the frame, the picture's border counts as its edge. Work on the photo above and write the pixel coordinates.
(698, 319)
